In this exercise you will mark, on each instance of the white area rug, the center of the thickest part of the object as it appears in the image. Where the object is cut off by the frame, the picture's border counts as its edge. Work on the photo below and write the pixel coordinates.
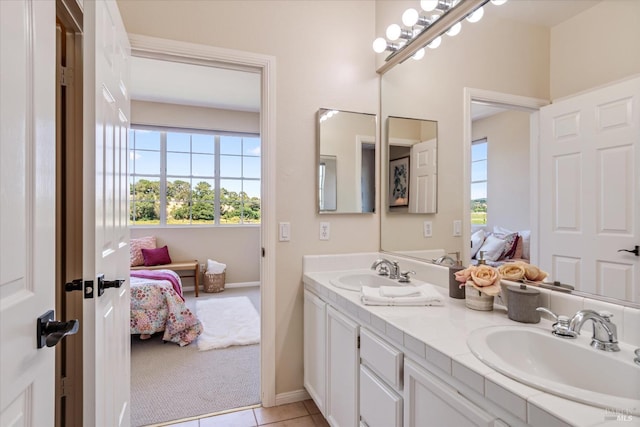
(227, 322)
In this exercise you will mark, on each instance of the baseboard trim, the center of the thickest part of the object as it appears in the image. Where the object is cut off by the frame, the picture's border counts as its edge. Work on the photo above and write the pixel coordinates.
(292, 397)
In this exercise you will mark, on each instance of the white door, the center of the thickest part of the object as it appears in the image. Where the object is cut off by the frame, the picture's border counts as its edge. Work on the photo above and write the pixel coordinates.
(423, 177)
(315, 348)
(106, 350)
(343, 361)
(590, 190)
(27, 208)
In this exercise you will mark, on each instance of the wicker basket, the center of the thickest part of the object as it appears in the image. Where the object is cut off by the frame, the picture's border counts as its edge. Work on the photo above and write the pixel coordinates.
(214, 282)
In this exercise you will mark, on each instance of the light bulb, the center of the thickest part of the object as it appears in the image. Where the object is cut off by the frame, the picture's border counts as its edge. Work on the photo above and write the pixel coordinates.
(393, 32)
(379, 45)
(498, 2)
(419, 54)
(455, 30)
(410, 17)
(476, 15)
(435, 43)
(428, 5)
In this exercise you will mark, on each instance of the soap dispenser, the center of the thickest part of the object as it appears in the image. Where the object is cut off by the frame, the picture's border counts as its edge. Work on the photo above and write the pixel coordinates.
(455, 291)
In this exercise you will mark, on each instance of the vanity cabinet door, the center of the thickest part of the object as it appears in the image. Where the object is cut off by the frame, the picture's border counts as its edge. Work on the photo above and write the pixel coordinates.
(431, 402)
(315, 348)
(380, 406)
(342, 367)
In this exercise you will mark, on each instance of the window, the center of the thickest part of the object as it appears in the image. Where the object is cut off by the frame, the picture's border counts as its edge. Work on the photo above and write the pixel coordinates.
(175, 176)
(479, 181)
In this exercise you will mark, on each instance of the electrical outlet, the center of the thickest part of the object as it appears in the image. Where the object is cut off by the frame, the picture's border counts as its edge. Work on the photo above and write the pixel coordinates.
(427, 229)
(457, 227)
(325, 231)
(285, 232)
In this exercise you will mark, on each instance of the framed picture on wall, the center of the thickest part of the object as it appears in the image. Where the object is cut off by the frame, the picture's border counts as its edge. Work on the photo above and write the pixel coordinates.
(399, 182)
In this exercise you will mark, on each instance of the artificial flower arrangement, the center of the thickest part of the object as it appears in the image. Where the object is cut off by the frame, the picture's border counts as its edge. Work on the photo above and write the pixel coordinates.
(486, 279)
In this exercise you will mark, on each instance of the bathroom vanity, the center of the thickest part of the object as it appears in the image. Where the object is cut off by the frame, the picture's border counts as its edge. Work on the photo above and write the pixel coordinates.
(379, 366)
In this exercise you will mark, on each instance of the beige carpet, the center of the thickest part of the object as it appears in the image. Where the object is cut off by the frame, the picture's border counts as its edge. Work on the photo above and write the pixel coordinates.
(169, 382)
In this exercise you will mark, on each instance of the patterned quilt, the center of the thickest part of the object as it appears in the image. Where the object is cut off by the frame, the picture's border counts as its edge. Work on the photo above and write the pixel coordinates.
(156, 307)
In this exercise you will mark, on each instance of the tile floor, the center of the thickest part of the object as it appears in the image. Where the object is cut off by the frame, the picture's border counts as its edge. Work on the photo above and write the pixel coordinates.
(298, 414)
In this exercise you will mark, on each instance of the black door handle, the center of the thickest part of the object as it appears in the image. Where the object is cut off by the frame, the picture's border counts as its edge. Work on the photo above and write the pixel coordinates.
(635, 251)
(104, 284)
(50, 332)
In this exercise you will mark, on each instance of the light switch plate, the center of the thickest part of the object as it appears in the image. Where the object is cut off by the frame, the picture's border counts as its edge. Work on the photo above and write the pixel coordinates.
(285, 232)
(457, 227)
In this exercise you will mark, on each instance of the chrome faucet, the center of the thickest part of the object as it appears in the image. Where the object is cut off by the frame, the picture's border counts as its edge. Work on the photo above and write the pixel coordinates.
(604, 331)
(442, 259)
(394, 267)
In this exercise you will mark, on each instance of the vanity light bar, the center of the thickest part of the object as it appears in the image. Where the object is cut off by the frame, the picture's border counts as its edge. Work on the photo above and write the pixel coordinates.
(425, 30)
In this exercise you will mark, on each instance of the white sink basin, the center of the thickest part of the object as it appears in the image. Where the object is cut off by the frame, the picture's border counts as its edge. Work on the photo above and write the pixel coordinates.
(569, 368)
(355, 281)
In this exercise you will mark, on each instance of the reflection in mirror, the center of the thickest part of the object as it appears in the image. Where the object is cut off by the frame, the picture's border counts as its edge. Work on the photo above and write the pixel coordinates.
(524, 49)
(413, 165)
(346, 162)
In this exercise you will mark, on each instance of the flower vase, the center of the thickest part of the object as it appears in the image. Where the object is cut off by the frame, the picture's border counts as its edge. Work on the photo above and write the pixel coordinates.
(476, 300)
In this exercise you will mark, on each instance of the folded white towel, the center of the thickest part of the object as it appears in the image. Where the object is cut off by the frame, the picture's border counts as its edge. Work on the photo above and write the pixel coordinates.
(399, 291)
(428, 296)
(215, 267)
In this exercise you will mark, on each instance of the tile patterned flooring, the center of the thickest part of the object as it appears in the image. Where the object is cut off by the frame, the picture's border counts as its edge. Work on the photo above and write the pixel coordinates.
(298, 414)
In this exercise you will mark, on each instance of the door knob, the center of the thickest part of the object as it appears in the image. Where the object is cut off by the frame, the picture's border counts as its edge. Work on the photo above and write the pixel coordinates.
(49, 332)
(104, 284)
(635, 251)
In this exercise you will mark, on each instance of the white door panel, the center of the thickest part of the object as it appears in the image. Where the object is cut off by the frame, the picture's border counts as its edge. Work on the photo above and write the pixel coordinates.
(106, 252)
(590, 190)
(423, 177)
(27, 206)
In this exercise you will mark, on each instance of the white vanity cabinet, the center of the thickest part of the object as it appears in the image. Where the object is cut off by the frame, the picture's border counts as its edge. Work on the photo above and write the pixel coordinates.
(432, 402)
(315, 347)
(380, 382)
(343, 361)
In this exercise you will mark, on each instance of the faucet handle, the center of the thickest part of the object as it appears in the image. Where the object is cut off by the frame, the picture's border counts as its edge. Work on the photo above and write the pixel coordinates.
(561, 327)
(404, 276)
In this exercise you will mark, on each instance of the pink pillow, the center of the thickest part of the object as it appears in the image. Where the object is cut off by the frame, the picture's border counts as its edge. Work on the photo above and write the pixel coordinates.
(136, 246)
(159, 256)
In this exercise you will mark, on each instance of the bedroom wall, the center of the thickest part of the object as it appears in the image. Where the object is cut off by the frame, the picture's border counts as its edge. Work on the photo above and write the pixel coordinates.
(508, 178)
(323, 59)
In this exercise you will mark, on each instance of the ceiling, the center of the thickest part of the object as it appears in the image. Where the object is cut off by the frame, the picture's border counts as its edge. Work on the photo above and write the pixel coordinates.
(548, 13)
(197, 85)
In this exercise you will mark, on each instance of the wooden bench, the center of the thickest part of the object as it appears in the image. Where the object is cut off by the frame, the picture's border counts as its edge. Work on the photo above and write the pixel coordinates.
(177, 266)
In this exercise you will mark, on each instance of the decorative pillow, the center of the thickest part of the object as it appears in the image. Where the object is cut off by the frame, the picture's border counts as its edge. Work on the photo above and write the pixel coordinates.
(159, 256)
(493, 248)
(501, 231)
(477, 239)
(136, 246)
(517, 253)
(526, 240)
(511, 241)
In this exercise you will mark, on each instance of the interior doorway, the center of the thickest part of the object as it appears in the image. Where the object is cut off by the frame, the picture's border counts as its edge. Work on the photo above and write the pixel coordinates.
(148, 48)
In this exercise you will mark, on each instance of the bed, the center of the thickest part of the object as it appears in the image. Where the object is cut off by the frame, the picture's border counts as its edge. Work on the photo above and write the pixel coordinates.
(499, 245)
(157, 305)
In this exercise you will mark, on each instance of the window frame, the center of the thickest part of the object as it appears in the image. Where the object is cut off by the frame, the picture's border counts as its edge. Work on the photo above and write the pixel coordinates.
(480, 141)
(216, 177)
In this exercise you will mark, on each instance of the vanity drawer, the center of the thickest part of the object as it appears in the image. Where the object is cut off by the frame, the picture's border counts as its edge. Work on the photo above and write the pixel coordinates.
(381, 358)
(380, 406)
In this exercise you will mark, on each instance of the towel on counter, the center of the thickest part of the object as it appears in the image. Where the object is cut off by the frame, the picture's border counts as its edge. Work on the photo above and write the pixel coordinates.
(399, 291)
(428, 295)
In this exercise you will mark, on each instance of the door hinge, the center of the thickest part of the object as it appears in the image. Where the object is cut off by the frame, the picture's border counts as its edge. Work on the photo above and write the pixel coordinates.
(262, 252)
(64, 387)
(66, 76)
(358, 341)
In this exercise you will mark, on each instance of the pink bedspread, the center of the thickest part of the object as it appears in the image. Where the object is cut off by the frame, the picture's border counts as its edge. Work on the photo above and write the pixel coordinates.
(157, 307)
(160, 275)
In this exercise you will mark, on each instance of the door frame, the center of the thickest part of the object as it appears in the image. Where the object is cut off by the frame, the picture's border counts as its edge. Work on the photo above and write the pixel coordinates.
(193, 53)
(514, 102)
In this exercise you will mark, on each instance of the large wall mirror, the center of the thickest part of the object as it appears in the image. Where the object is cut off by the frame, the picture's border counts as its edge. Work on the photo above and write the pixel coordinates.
(524, 50)
(412, 149)
(346, 162)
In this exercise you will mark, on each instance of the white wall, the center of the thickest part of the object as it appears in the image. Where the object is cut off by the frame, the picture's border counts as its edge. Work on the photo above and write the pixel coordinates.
(595, 47)
(323, 59)
(508, 177)
(236, 246)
